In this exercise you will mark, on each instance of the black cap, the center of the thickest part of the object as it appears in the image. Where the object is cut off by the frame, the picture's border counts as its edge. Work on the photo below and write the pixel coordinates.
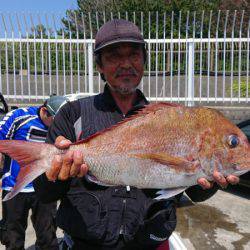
(116, 31)
(54, 103)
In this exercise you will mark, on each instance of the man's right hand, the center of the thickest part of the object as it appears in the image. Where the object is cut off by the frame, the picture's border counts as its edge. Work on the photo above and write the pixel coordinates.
(65, 166)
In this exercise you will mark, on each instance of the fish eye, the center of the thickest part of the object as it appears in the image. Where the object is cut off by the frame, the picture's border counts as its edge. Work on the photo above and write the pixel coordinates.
(233, 141)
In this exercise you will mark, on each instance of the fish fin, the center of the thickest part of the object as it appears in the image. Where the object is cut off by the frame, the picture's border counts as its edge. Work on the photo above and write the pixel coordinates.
(144, 110)
(23, 152)
(30, 158)
(93, 179)
(178, 163)
(25, 176)
(168, 193)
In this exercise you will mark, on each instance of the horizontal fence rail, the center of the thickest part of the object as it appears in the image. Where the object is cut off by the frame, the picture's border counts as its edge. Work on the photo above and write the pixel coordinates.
(189, 59)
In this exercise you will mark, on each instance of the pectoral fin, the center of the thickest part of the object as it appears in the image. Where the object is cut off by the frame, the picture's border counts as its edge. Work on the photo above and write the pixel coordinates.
(168, 193)
(175, 162)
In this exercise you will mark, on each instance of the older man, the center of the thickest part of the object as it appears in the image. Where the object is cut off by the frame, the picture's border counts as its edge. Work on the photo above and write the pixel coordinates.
(97, 217)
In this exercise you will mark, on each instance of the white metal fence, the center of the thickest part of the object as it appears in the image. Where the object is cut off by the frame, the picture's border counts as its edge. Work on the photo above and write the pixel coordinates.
(192, 57)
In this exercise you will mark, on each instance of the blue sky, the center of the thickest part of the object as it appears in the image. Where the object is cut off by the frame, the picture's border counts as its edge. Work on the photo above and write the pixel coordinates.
(35, 8)
(36, 5)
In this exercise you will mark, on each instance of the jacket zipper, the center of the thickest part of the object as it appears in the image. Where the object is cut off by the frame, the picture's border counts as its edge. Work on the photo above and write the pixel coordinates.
(122, 227)
(124, 201)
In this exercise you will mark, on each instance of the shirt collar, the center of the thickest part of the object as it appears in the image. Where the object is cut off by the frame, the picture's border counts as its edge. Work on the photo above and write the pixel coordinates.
(109, 100)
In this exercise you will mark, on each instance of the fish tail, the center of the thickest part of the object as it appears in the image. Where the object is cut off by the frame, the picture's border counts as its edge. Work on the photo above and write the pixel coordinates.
(30, 156)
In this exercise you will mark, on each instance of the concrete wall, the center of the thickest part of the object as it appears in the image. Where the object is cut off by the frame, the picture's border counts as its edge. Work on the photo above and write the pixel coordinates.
(235, 114)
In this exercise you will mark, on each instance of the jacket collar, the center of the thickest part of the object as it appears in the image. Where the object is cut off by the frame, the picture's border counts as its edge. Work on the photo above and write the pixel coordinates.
(108, 99)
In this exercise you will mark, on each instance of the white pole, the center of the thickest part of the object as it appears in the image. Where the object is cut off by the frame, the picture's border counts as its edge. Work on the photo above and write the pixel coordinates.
(190, 74)
(90, 67)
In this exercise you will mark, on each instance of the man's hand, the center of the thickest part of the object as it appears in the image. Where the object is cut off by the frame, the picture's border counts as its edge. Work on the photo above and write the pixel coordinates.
(65, 166)
(219, 179)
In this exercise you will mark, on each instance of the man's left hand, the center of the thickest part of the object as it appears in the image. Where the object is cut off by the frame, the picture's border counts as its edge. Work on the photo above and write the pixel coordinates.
(219, 179)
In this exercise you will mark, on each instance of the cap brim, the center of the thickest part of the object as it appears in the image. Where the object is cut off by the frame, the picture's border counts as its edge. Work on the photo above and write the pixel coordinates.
(120, 40)
(53, 111)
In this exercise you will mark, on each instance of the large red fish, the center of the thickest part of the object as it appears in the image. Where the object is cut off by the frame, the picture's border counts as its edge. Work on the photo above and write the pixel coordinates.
(164, 146)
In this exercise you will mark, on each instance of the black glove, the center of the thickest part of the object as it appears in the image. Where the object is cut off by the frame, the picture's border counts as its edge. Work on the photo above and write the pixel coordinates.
(159, 223)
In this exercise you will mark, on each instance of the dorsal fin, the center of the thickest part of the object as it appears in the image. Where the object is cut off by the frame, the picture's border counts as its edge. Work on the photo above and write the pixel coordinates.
(147, 109)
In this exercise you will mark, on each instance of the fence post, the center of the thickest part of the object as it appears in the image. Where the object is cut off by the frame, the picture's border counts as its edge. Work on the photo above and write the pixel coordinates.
(90, 67)
(190, 74)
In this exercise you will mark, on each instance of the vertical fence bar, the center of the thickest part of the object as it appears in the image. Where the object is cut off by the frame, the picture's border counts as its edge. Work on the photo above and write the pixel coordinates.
(179, 56)
(190, 73)
(201, 52)
(56, 51)
(90, 68)
(194, 22)
(6, 58)
(90, 58)
(216, 58)
(49, 54)
(85, 52)
(186, 63)
(104, 17)
(142, 82)
(13, 56)
(34, 49)
(208, 55)
(239, 64)
(248, 41)
(224, 56)
(42, 56)
(99, 76)
(232, 56)
(64, 67)
(156, 57)
(28, 54)
(171, 57)
(77, 54)
(70, 59)
(164, 56)
(149, 54)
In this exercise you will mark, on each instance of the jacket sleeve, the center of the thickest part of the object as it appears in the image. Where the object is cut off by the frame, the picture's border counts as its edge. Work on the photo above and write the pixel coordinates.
(8, 123)
(159, 223)
(197, 194)
(63, 124)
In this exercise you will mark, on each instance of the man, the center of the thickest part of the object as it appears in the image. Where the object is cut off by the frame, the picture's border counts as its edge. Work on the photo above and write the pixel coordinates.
(28, 124)
(97, 217)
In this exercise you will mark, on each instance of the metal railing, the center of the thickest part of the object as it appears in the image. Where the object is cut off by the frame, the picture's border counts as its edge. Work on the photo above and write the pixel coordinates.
(190, 58)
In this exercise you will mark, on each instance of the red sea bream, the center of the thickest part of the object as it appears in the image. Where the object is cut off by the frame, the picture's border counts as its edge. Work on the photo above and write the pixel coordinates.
(163, 146)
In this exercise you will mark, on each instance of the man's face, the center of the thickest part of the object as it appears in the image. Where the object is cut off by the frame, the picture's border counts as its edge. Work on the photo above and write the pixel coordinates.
(46, 117)
(122, 66)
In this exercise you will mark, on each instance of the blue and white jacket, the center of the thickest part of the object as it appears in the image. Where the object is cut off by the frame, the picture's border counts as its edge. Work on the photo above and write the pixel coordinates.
(20, 124)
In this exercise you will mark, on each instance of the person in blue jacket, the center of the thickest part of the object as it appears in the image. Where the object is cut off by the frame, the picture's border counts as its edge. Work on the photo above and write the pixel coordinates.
(27, 124)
